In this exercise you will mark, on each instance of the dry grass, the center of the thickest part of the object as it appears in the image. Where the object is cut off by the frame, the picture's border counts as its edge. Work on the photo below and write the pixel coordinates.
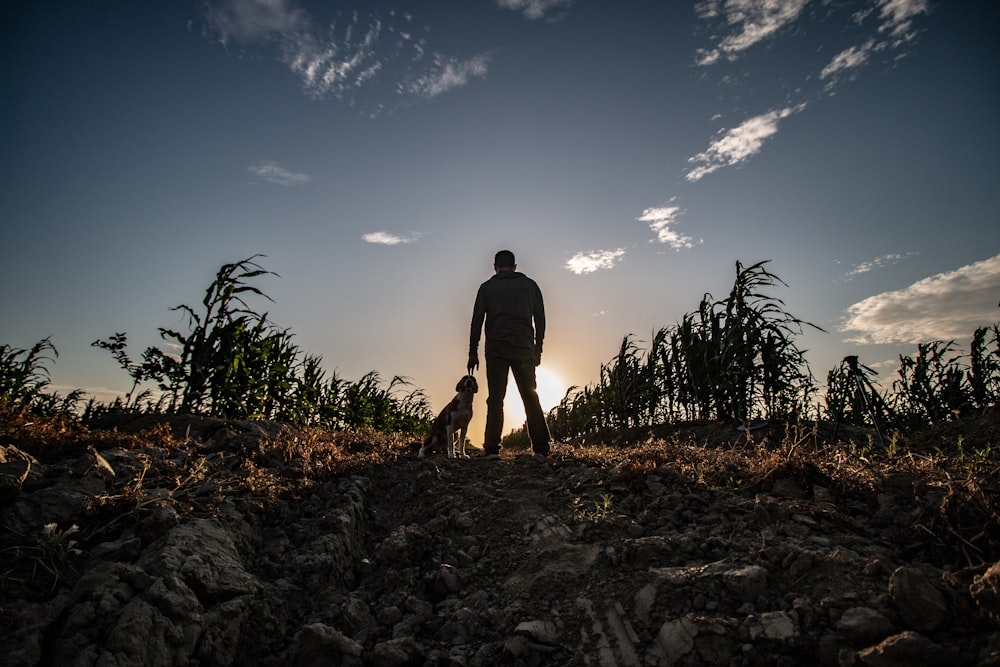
(952, 494)
(953, 499)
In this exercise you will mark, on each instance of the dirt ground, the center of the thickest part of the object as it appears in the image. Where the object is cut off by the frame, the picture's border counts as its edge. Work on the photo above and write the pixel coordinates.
(704, 546)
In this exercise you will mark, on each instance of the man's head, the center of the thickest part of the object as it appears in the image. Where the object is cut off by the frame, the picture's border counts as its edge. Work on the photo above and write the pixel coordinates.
(504, 261)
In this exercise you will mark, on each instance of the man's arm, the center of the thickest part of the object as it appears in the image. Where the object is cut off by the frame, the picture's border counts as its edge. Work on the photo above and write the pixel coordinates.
(478, 317)
(538, 315)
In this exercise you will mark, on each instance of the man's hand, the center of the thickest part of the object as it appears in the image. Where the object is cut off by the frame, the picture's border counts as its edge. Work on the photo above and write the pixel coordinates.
(538, 358)
(473, 363)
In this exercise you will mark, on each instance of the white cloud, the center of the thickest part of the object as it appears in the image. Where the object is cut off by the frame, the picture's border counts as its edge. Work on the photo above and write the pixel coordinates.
(335, 66)
(895, 28)
(754, 20)
(388, 238)
(897, 17)
(947, 306)
(273, 172)
(534, 9)
(877, 263)
(847, 59)
(445, 74)
(738, 144)
(250, 20)
(588, 262)
(363, 54)
(661, 220)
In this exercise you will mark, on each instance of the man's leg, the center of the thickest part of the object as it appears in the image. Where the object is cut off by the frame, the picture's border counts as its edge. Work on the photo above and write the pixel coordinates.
(496, 384)
(524, 376)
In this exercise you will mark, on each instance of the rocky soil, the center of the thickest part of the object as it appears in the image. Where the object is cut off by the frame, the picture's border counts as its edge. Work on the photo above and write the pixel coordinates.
(220, 543)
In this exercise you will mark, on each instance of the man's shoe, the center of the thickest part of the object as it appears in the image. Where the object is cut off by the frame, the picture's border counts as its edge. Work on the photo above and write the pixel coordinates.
(486, 456)
(540, 457)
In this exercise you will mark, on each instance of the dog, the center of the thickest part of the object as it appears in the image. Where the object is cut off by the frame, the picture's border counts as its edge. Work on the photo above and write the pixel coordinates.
(452, 421)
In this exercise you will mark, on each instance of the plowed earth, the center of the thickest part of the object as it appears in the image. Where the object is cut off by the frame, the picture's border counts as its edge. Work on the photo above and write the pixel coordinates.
(700, 545)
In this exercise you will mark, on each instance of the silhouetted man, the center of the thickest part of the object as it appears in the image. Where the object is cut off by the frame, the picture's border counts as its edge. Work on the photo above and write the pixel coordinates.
(511, 305)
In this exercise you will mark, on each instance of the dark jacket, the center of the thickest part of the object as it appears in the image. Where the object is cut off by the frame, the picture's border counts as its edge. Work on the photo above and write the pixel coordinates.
(511, 304)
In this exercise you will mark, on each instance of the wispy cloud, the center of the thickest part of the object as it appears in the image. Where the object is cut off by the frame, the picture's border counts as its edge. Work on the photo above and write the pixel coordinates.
(250, 20)
(749, 22)
(446, 74)
(388, 238)
(875, 264)
(535, 9)
(661, 221)
(372, 53)
(848, 59)
(334, 64)
(270, 171)
(739, 143)
(947, 306)
(588, 262)
(894, 28)
(897, 18)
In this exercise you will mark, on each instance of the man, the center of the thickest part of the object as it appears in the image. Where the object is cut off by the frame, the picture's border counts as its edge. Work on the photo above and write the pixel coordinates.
(511, 305)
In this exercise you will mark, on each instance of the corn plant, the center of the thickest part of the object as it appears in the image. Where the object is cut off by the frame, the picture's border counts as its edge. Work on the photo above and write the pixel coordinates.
(235, 364)
(24, 375)
(852, 399)
(627, 388)
(984, 366)
(932, 385)
(736, 357)
(731, 359)
(116, 346)
(938, 385)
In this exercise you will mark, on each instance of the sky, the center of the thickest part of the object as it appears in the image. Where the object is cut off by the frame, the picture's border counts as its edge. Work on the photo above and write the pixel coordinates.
(378, 154)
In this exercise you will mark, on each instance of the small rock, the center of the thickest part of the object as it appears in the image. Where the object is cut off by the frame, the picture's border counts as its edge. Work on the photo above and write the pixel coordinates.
(539, 631)
(643, 603)
(910, 649)
(393, 653)
(773, 625)
(863, 625)
(390, 616)
(320, 644)
(676, 638)
(921, 605)
(747, 583)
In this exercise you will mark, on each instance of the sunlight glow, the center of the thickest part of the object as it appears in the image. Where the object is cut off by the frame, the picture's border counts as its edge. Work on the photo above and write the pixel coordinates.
(551, 390)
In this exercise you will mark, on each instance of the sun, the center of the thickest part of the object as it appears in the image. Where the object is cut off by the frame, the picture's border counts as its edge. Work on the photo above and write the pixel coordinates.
(551, 390)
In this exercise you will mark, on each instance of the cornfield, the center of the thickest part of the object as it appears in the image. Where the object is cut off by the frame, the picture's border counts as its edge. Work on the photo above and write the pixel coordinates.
(235, 364)
(732, 359)
(736, 359)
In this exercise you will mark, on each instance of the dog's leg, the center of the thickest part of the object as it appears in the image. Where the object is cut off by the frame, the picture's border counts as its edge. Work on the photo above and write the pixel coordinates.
(450, 432)
(461, 435)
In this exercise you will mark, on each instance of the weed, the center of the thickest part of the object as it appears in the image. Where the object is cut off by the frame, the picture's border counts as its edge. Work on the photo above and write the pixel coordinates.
(598, 512)
(45, 560)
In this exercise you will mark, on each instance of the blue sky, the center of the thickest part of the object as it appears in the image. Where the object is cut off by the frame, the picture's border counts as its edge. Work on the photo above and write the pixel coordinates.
(378, 154)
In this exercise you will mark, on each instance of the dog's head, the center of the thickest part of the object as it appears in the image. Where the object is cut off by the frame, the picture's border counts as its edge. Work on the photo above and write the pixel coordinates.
(467, 384)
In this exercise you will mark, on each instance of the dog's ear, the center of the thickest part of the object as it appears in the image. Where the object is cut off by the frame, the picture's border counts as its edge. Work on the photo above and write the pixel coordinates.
(458, 387)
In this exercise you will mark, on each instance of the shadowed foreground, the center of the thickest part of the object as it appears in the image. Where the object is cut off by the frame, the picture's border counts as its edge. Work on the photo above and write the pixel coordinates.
(199, 541)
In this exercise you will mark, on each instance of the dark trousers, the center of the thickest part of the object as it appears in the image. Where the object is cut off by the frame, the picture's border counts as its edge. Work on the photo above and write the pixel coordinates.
(497, 371)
